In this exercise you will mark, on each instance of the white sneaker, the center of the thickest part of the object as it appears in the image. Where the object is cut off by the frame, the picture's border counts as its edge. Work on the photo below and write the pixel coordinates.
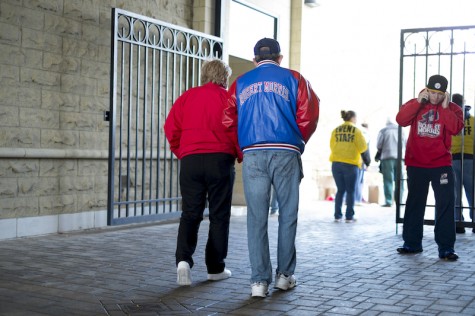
(183, 273)
(259, 289)
(285, 283)
(219, 276)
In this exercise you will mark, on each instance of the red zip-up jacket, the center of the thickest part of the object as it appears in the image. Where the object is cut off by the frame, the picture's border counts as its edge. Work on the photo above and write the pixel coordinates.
(430, 137)
(194, 124)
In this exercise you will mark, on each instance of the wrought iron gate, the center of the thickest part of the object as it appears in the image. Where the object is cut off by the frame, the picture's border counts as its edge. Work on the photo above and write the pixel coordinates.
(152, 63)
(449, 51)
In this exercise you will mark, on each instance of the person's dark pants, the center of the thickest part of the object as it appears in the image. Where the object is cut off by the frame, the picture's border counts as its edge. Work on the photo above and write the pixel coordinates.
(205, 176)
(442, 180)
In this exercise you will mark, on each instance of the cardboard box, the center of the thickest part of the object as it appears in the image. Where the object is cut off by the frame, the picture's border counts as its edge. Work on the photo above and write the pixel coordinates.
(373, 194)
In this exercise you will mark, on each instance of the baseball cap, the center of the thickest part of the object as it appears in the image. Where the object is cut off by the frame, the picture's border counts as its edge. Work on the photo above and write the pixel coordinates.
(437, 83)
(267, 47)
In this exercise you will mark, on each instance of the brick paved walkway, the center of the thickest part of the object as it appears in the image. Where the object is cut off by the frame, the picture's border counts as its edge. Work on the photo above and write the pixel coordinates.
(342, 269)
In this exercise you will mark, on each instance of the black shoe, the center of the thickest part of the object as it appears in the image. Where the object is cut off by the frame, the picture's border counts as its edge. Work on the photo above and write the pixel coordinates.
(387, 205)
(473, 230)
(460, 230)
(449, 256)
(407, 250)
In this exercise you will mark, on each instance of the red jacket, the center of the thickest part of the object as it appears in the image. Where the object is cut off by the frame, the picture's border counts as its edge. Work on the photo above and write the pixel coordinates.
(194, 124)
(432, 128)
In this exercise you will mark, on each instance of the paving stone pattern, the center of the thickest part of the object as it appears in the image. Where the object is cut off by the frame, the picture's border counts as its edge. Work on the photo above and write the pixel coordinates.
(342, 269)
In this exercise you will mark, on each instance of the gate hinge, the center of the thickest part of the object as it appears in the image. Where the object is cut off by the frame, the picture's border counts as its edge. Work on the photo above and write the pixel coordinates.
(107, 115)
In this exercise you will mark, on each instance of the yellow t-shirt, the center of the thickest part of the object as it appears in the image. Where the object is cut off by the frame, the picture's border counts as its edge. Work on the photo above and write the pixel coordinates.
(467, 138)
(347, 143)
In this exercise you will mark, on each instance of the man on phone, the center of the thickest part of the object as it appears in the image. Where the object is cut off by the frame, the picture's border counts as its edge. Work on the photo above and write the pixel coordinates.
(433, 120)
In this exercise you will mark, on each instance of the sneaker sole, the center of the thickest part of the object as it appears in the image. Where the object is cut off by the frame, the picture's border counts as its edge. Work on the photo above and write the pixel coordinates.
(220, 276)
(452, 257)
(183, 280)
(404, 251)
(449, 259)
(259, 291)
(260, 294)
(183, 276)
(284, 285)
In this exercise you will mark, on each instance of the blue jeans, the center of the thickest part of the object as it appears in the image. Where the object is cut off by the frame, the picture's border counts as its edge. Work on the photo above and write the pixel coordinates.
(274, 205)
(345, 176)
(260, 170)
(359, 186)
(467, 185)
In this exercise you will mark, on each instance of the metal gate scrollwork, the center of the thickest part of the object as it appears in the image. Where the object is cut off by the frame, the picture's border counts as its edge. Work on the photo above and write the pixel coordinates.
(152, 63)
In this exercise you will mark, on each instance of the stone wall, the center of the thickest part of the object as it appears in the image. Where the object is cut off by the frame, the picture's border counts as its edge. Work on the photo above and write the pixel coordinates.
(54, 88)
(54, 75)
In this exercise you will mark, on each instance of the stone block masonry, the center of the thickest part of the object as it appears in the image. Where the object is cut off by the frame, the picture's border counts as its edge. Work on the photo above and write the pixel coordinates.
(54, 88)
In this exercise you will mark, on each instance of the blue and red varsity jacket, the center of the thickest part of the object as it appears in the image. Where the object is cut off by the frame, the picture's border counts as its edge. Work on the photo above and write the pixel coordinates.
(272, 108)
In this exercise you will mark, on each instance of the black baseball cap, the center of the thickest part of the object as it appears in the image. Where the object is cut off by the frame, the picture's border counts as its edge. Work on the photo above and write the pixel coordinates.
(267, 47)
(437, 83)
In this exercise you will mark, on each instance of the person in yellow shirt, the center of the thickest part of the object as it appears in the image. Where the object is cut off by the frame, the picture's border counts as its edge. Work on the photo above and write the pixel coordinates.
(462, 163)
(347, 145)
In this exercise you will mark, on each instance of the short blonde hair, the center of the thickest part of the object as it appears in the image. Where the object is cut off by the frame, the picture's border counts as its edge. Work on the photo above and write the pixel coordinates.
(215, 71)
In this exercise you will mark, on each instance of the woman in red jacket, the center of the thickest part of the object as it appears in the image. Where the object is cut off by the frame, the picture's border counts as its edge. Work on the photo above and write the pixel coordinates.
(433, 120)
(207, 151)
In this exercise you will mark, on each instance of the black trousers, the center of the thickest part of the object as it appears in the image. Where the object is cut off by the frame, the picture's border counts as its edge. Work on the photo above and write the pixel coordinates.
(442, 181)
(205, 177)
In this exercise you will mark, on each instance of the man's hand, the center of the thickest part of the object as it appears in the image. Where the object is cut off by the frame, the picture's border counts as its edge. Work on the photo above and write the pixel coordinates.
(445, 102)
(423, 97)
